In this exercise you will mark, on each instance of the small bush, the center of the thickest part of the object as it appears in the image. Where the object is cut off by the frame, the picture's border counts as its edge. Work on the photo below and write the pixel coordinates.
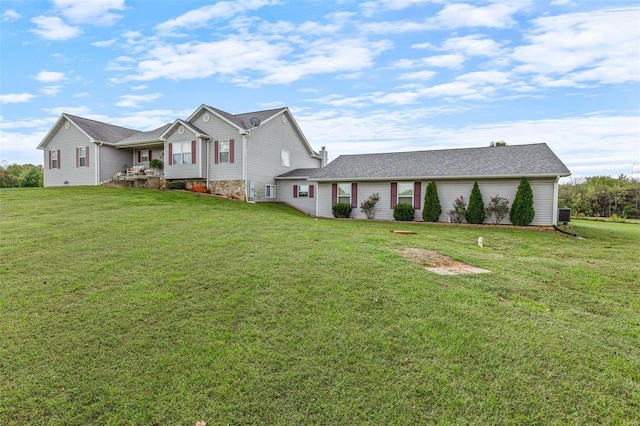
(368, 206)
(200, 189)
(176, 184)
(342, 210)
(498, 209)
(459, 211)
(475, 210)
(522, 212)
(404, 212)
(432, 208)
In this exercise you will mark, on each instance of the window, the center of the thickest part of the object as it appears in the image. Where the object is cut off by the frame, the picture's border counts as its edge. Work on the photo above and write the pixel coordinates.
(270, 191)
(303, 190)
(223, 154)
(181, 152)
(53, 159)
(344, 193)
(144, 155)
(82, 157)
(405, 193)
(284, 158)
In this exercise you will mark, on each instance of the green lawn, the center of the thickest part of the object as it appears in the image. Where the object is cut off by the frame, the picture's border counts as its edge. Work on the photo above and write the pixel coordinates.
(135, 307)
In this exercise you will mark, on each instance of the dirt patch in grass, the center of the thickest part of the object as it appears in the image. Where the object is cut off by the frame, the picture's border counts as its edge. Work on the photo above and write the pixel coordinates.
(439, 264)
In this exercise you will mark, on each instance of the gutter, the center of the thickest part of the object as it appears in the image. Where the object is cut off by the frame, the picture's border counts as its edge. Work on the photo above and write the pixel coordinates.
(417, 178)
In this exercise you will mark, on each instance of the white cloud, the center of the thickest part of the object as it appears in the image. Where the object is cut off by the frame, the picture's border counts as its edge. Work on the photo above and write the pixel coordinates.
(444, 61)
(89, 12)
(10, 15)
(104, 43)
(203, 16)
(134, 101)
(54, 28)
(418, 75)
(599, 46)
(473, 45)
(51, 90)
(238, 58)
(50, 77)
(495, 15)
(16, 98)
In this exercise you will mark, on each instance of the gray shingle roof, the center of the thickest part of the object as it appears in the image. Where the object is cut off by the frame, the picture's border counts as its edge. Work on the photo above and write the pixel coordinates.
(243, 120)
(146, 136)
(298, 173)
(101, 132)
(510, 160)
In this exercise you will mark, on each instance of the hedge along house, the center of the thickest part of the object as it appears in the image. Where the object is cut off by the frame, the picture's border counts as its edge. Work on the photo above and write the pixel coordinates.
(402, 177)
(237, 156)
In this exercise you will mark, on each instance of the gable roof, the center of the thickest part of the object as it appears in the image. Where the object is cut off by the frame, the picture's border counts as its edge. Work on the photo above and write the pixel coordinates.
(192, 128)
(96, 131)
(242, 121)
(488, 162)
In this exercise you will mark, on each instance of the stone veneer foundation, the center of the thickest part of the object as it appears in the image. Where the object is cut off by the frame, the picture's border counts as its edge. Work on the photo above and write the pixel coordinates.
(233, 189)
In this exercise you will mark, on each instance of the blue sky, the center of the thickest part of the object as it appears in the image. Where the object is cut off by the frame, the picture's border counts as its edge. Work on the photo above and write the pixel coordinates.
(368, 76)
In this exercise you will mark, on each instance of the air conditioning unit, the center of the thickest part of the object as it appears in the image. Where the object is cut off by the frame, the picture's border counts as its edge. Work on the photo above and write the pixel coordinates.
(564, 215)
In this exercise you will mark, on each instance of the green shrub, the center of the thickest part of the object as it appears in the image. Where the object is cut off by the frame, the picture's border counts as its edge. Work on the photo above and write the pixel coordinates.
(475, 211)
(522, 212)
(404, 212)
(342, 210)
(432, 208)
(176, 184)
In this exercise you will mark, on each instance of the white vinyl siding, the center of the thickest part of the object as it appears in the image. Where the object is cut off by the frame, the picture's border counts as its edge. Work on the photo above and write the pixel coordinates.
(287, 189)
(448, 191)
(265, 145)
(66, 141)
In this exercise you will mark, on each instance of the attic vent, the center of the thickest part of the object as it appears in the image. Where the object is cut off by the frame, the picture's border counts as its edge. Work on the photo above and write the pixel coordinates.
(283, 118)
(205, 118)
(66, 125)
(181, 130)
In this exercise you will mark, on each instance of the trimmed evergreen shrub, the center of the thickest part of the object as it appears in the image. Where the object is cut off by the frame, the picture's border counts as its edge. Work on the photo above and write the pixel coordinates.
(522, 212)
(404, 212)
(432, 208)
(475, 209)
(342, 210)
(176, 184)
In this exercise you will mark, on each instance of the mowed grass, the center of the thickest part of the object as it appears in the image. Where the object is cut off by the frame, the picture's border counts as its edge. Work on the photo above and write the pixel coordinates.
(134, 307)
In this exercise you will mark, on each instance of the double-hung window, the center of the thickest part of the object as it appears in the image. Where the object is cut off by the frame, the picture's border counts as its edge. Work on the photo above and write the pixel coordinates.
(405, 193)
(53, 159)
(303, 190)
(223, 153)
(144, 155)
(181, 153)
(82, 156)
(344, 193)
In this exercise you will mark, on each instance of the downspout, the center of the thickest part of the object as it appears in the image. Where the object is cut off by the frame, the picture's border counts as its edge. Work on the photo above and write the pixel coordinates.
(208, 161)
(98, 163)
(555, 201)
(245, 140)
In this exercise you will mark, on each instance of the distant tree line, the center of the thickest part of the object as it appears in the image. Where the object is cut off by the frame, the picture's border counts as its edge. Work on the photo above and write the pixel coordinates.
(20, 175)
(601, 196)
